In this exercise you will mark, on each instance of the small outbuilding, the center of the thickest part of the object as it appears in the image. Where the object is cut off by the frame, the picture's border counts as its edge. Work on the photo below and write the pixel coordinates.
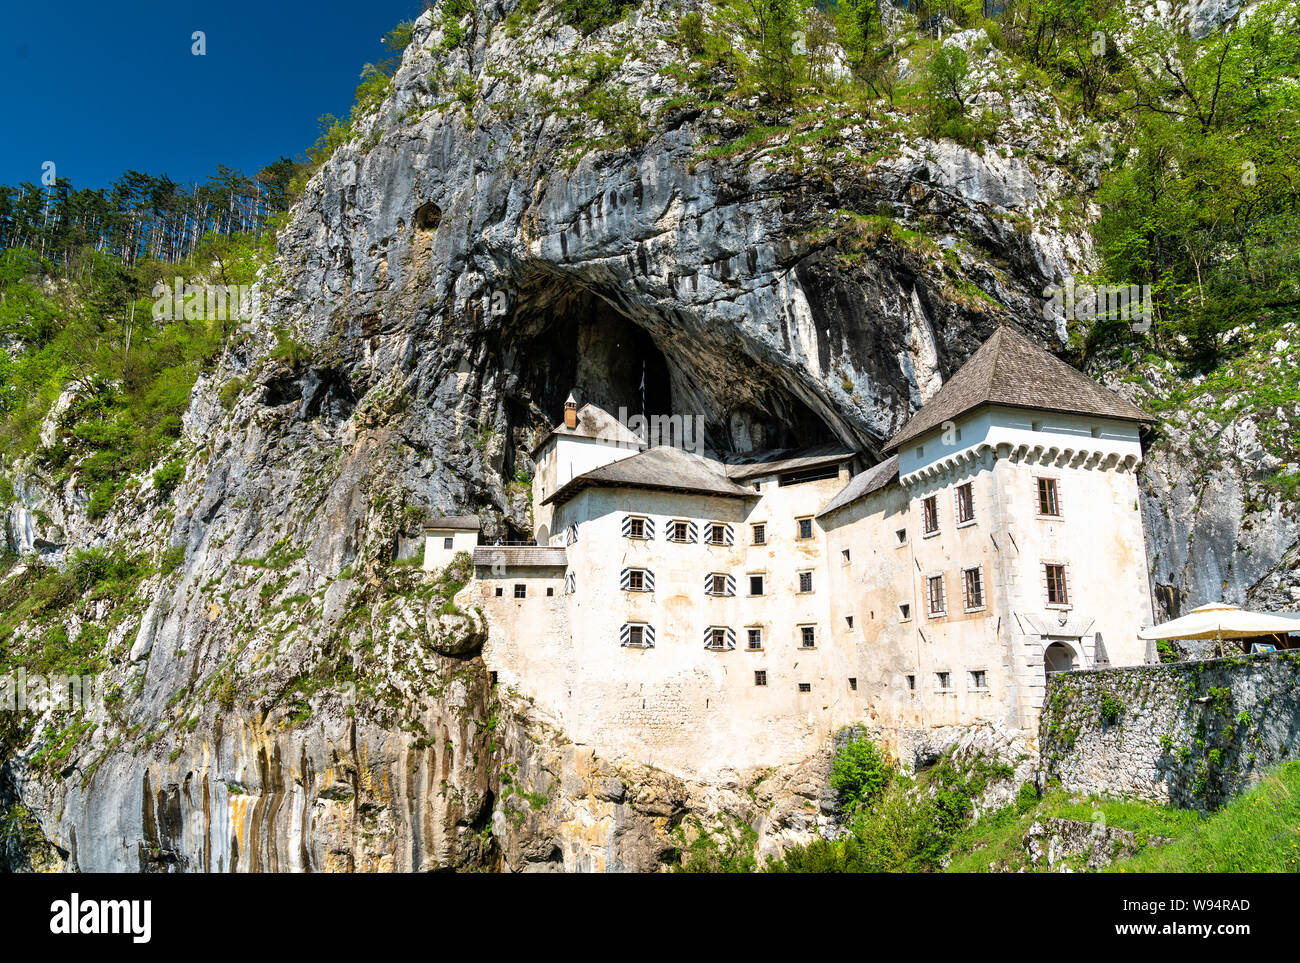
(446, 536)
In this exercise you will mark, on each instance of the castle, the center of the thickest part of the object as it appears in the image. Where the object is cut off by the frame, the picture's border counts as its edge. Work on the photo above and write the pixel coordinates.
(705, 615)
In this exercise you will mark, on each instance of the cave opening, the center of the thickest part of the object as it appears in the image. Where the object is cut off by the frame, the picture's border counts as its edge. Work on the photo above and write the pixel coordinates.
(562, 337)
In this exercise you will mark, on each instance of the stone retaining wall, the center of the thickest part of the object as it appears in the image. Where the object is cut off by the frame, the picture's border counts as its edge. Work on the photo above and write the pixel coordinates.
(1190, 734)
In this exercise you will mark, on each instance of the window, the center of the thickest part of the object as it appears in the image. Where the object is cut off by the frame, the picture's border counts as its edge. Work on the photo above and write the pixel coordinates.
(500, 591)
(853, 684)
(930, 515)
(804, 529)
(637, 635)
(448, 542)
(979, 680)
(717, 638)
(805, 581)
(550, 591)
(844, 556)
(717, 585)
(681, 532)
(973, 588)
(805, 687)
(1058, 592)
(920, 451)
(521, 591)
(760, 533)
(717, 534)
(754, 638)
(904, 611)
(965, 504)
(636, 528)
(944, 681)
(849, 619)
(1049, 498)
(911, 683)
(902, 536)
(760, 677)
(808, 636)
(756, 585)
(934, 590)
(636, 580)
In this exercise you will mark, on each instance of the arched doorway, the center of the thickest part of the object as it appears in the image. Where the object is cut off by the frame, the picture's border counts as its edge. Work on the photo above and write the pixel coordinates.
(1058, 657)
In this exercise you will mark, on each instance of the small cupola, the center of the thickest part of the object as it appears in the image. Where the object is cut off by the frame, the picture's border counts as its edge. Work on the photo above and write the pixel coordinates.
(570, 412)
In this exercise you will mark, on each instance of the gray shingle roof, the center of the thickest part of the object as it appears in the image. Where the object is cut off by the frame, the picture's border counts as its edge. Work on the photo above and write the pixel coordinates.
(537, 556)
(795, 459)
(1011, 370)
(862, 484)
(663, 468)
(455, 523)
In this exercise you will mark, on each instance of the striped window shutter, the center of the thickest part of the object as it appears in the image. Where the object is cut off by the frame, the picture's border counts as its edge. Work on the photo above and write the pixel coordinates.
(729, 636)
(570, 582)
(729, 535)
(692, 532)
(572, 532)
(649, 528)
(627, 526)
(708, 584)
(731, 585)
(647, 579)
(647, 635)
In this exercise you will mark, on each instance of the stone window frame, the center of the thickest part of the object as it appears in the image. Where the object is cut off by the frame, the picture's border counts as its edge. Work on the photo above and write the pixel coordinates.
(974, 682)
(520, 591)
(749, 585)
(930, 611)
(798, 529)
(1056, 497)
(900, 542)
(927, 504)
(749, 629)
(799, 580)
(965, 589)
(633, 576)
(726, 532)
(904, 611)
(971, 519)
(1044, 565)
(643, 520)
(943, 681)
(758, 533)
(670, 531)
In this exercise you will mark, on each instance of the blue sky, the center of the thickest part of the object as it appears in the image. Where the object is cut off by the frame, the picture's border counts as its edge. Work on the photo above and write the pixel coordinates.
(100, 87)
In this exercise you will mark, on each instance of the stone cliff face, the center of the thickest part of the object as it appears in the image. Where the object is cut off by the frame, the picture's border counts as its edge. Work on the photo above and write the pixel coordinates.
(288, 697)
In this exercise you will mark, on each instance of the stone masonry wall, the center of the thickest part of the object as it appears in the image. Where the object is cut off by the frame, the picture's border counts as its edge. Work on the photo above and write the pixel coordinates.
(1190, 734)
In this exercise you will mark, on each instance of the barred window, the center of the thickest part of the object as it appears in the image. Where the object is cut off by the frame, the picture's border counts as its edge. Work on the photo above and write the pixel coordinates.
(760, 534)
(760, 677)
(805, 581)
(808, 636)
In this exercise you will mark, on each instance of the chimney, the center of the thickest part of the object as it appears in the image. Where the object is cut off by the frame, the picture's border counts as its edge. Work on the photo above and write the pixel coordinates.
(570, 412)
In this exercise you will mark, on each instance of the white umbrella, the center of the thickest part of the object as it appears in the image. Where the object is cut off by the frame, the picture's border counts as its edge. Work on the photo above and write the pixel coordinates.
(1220, 621)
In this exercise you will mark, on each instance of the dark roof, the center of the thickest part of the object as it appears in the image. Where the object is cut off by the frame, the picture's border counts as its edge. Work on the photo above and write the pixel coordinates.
(664, 468)
(862, 484)
(595, 423)
(1011, 370)
(538, 556)
(793, 459)
(459, 523)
